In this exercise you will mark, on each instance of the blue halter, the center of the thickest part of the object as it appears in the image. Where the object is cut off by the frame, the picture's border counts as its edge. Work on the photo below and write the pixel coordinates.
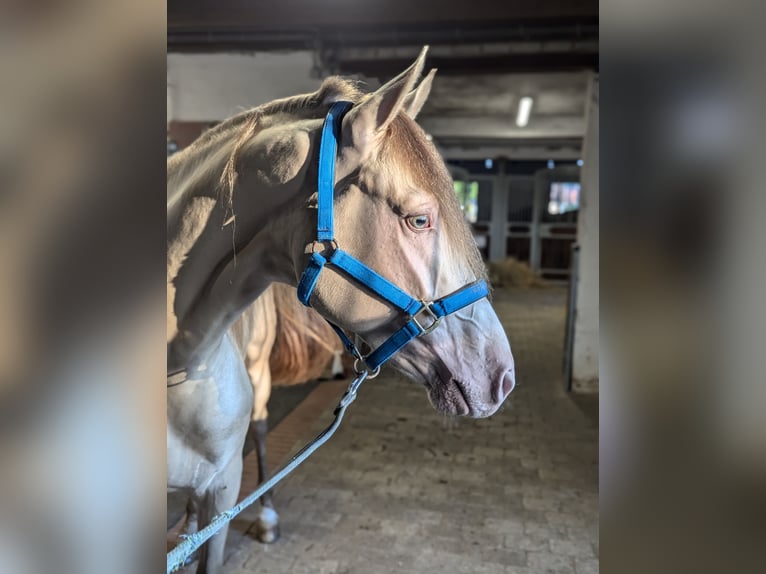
(421, 317)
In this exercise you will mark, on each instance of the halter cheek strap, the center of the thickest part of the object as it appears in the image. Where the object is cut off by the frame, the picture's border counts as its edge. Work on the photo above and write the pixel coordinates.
(421, 317)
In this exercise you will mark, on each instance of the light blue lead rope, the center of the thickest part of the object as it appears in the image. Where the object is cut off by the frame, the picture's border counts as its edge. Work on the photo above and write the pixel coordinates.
(177, 557)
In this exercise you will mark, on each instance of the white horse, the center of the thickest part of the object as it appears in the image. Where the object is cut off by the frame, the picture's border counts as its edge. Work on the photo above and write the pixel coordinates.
(283, 343)
(242, 215)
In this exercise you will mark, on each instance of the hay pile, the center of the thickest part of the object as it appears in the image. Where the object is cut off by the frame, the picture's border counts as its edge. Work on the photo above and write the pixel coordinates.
(510, 272)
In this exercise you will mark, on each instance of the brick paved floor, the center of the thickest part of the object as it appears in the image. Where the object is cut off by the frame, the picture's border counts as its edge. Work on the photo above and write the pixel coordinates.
(401, 488)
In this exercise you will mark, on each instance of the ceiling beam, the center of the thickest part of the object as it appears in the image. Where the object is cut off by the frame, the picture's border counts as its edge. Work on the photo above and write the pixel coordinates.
(311, 14)
(493, 127)
(511, 151)
(488, 64)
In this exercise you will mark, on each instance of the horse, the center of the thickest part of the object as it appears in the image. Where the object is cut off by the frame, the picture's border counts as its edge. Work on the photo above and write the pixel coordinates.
(242, 214)
(283, 343)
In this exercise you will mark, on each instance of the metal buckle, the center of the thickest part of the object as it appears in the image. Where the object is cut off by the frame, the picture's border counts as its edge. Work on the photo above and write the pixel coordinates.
(436, 320)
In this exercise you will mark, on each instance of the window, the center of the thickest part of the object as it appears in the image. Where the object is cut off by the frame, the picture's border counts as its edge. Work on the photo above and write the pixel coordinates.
(468, 196)
(564, 197)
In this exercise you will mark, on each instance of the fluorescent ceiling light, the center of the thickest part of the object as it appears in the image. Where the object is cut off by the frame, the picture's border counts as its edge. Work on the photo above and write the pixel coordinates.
(522, 116)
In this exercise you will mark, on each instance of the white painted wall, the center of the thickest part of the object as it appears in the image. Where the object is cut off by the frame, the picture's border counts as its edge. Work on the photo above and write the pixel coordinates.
(585, 349)
(212, 87)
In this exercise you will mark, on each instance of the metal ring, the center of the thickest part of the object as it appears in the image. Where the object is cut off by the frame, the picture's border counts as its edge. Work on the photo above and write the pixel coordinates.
(370, 374)
(314, 247)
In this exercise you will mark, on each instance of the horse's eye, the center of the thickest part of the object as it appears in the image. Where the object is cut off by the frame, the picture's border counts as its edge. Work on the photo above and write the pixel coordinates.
(419, 221)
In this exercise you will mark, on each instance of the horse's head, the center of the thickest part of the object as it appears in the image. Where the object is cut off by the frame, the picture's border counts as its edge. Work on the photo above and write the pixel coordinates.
(396, 211)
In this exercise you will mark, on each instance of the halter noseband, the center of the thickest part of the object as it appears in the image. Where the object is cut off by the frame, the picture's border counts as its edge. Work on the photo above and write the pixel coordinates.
(422, 317)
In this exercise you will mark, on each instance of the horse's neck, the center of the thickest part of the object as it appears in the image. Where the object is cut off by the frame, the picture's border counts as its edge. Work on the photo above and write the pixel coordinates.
(217, 265)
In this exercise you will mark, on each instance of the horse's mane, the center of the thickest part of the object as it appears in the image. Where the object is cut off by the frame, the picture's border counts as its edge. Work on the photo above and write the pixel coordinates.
(304, 106)
(304, 341)
(242, 127)
(405, 145)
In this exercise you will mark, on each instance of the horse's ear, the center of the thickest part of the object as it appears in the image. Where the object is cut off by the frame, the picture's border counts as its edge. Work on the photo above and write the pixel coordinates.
(373, 114)
(414, 101)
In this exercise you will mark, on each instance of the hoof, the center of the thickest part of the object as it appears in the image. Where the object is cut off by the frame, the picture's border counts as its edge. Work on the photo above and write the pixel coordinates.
(267, 526)
(339, 376)
(267, 535)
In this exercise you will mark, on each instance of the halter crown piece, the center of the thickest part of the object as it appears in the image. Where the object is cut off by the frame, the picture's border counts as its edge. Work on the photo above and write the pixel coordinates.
(416, 312)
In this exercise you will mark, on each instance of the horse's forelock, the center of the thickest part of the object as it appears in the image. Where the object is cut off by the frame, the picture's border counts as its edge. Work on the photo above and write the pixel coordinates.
(406, 150)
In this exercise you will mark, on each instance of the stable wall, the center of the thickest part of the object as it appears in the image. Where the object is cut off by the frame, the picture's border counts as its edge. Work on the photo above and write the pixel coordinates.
(211, 87)
(586, 331)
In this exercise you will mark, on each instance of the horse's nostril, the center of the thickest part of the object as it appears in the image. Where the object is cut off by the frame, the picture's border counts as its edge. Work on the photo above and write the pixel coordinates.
(508, 383)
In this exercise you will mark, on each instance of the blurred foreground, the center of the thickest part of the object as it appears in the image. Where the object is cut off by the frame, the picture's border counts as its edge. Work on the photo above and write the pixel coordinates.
(683, 437)
(82, 174)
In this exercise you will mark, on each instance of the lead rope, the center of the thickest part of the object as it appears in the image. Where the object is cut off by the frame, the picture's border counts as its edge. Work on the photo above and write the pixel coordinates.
(178, 556)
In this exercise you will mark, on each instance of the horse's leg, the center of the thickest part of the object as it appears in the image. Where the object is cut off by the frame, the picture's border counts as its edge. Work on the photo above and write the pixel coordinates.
(336, 370)
(267, 524)
(221, 496)
(261, 342)
(191, 524)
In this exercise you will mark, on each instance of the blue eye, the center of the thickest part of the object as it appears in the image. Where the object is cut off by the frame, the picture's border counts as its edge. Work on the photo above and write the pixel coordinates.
(419, 221)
